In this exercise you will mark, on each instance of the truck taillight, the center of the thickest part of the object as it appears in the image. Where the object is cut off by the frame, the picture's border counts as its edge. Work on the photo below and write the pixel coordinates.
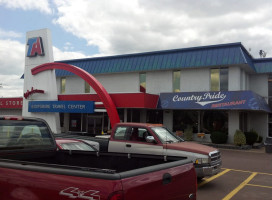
(13, 118)
(116, 196)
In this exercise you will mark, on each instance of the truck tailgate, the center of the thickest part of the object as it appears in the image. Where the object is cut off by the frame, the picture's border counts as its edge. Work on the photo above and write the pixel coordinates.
(30, 185)
(176, 183)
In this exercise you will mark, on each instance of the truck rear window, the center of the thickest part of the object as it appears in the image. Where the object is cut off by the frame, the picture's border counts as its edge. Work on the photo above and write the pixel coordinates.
(24, 134)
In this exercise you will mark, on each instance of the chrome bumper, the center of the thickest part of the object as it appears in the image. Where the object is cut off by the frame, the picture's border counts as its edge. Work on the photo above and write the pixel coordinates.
(208, 170)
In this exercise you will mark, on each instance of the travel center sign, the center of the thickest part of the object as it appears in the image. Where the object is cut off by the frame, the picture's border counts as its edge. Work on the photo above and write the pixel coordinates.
(242, 100)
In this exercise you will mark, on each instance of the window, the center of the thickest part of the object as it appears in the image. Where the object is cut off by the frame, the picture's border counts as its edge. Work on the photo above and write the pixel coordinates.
(224, 79)
(120, 133)
(176, 81)
(24, 135)
(87, 87)
(131, 133)
(165, 135)
(133, 115)
(219, 79)
(154, 116)
(143, 82)
(215, 80)
(63, 84)
(138, 134)
(211, 121)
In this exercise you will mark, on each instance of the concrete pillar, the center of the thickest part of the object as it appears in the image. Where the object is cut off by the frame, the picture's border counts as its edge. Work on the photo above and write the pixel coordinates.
(258, 121)
(233, 124)
(143, 116)
(39, 50)
(168, 119)
(65, 127)
(125, 115)
(234, 78)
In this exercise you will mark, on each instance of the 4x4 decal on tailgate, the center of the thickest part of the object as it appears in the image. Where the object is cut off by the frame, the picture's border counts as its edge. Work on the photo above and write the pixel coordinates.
(76, 193)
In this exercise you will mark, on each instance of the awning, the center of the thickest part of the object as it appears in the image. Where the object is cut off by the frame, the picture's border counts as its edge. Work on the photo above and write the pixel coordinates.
(121, 100)
(222, 100)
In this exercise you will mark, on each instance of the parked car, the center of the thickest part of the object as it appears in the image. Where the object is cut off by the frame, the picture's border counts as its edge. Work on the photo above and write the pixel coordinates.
(76, 144)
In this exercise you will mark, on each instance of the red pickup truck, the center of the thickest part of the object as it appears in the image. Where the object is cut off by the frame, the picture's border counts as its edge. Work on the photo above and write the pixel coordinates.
(155, 139)
(31, 168)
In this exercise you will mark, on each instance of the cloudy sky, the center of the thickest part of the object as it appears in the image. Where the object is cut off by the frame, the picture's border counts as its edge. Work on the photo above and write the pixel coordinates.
(88, 28)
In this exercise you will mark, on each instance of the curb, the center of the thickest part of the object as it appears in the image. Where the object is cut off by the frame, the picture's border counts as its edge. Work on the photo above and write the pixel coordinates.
(228, 146)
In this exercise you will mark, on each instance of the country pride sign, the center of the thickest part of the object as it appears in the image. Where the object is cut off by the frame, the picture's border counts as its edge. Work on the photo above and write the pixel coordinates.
(227, 100)
(35, 47)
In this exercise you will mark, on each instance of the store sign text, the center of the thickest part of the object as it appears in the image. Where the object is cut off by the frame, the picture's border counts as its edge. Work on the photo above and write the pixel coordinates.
(32, 91)
(35, 47)
(206, 98)
(61, 106)
(11, 103)
(226, 104)
(242, 100)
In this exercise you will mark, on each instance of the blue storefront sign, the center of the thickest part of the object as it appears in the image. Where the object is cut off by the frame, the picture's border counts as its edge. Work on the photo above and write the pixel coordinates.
(61, 106)
(225, 100)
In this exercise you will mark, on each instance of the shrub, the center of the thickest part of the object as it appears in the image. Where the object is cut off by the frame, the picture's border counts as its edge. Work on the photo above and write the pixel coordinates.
(260, 139)
(188, 133)
(239, 138)
(251, 137)
(219, 137)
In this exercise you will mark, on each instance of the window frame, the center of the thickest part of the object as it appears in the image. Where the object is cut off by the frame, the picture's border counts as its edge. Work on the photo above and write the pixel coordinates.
(87, 87)
(176, 81)
(142, 82)
(63, 85)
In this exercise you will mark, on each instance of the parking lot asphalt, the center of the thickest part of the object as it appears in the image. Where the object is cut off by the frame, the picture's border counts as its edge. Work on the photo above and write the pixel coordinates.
(245, 175)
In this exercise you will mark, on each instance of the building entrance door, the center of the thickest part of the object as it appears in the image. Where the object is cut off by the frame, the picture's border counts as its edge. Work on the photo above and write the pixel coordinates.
(95, 124)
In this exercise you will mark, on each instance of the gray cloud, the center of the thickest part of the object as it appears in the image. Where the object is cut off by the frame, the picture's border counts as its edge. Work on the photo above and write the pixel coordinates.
(12, 62)
(41, 5)
(12, 58)
(118, 27)
(121, 27)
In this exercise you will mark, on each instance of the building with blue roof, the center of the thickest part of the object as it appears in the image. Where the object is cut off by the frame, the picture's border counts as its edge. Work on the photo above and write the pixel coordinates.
(206, 89)
(196, 57)
(203, 89)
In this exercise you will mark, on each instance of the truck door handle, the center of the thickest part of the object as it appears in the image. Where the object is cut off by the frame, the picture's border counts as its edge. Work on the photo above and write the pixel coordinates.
(166, 179)
(128, 145)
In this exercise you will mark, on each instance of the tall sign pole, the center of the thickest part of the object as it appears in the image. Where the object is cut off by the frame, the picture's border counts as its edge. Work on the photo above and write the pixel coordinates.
(39, 50)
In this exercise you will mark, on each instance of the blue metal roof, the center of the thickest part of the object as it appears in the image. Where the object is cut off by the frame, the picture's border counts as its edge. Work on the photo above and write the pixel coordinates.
(214, 55)
(263, 65)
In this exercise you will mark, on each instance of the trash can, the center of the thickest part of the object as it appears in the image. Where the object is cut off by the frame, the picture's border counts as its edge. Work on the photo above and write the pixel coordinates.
(268, 145)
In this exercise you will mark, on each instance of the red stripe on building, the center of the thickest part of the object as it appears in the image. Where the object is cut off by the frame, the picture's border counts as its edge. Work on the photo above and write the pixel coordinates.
(121, 100)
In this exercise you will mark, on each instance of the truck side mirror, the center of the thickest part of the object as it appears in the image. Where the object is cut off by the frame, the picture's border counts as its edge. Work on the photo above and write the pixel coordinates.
(150, 139)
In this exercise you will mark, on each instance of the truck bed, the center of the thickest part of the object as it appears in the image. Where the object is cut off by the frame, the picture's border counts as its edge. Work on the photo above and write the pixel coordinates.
(105, 164)
(31, 167)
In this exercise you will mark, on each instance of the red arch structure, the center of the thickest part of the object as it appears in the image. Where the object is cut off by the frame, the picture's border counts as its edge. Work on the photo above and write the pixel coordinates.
(92, 81)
